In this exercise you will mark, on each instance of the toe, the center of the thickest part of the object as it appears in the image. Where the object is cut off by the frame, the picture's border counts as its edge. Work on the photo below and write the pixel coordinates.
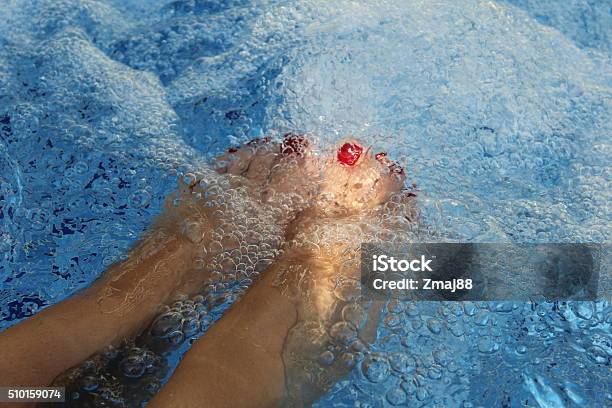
(262, 161)
(391, 178)
(252, 160)
(295, 170)
(356, 179)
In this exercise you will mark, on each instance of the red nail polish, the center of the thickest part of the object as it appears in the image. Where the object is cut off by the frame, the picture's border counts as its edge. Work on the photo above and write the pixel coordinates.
(349, 153)
(294, 144)
(232, 150)
(381, 157)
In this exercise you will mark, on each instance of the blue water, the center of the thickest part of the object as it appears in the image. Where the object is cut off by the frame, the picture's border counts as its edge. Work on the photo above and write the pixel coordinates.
(501, 109)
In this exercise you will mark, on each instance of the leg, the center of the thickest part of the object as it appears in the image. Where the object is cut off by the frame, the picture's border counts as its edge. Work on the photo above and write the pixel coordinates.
(168, 260)
(114, 307)
(238, 363)
(268, 349)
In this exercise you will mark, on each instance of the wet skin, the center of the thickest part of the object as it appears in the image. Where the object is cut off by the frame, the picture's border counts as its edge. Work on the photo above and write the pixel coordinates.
(255, 355)
(335, 192)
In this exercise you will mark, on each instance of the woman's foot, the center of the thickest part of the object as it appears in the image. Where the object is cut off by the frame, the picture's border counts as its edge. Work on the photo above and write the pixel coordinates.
(238, 215)
(321, 268)
(354, 181)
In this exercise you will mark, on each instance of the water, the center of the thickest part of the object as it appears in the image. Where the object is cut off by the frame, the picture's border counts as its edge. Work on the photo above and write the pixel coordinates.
(500, 108)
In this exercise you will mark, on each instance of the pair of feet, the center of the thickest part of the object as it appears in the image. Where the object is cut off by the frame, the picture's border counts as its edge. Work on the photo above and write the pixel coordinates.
(318, 326)
(276, 191)
(349, 181)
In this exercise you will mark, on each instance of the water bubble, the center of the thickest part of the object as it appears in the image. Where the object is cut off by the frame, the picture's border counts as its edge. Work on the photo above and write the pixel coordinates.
(412, 310)
(396, 396)
(176, 337)
(354, 314)
(395, 306)
(481, 318)
(434, 373)
(358, 345)
(343, 332)
(152, 387)
(189, 179)
(442, 357)
(132, 366)
(416, 323)
(89, 383)
(504, 307)
(402, 363)
(422, 394)
(166, 324)
(375, 368)
(469, 308)
(434, 325)
(392, 320)
(409, 387)
(191, 326)
(139, 199)
(487, 345)
(348, 360)
(152, 361)
(326, 358)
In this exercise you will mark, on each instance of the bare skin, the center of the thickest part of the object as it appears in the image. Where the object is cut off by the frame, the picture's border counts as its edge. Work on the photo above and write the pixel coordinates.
(38, 349)
(264, 351)
(123, 301)
(255, 335)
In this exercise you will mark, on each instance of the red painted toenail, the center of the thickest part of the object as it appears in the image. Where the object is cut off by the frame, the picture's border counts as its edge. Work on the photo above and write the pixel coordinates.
(381, 157)
(232, 150)
(294, 144)
(349, 153)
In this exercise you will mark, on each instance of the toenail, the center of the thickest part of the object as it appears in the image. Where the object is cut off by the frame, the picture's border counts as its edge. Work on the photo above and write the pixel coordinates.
(349, 153)
(258, 140)
(381, 157)
(232, 150)
(396, 169)
(294, 144)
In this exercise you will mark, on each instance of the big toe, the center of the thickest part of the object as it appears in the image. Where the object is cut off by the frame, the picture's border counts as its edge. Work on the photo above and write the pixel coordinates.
(295, 167)
(355, 179)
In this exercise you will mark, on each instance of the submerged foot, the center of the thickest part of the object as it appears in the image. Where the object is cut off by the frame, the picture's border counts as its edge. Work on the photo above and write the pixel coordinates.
(320, 270)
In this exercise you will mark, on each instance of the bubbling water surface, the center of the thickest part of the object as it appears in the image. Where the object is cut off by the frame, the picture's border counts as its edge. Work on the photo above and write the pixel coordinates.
(499, 109)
